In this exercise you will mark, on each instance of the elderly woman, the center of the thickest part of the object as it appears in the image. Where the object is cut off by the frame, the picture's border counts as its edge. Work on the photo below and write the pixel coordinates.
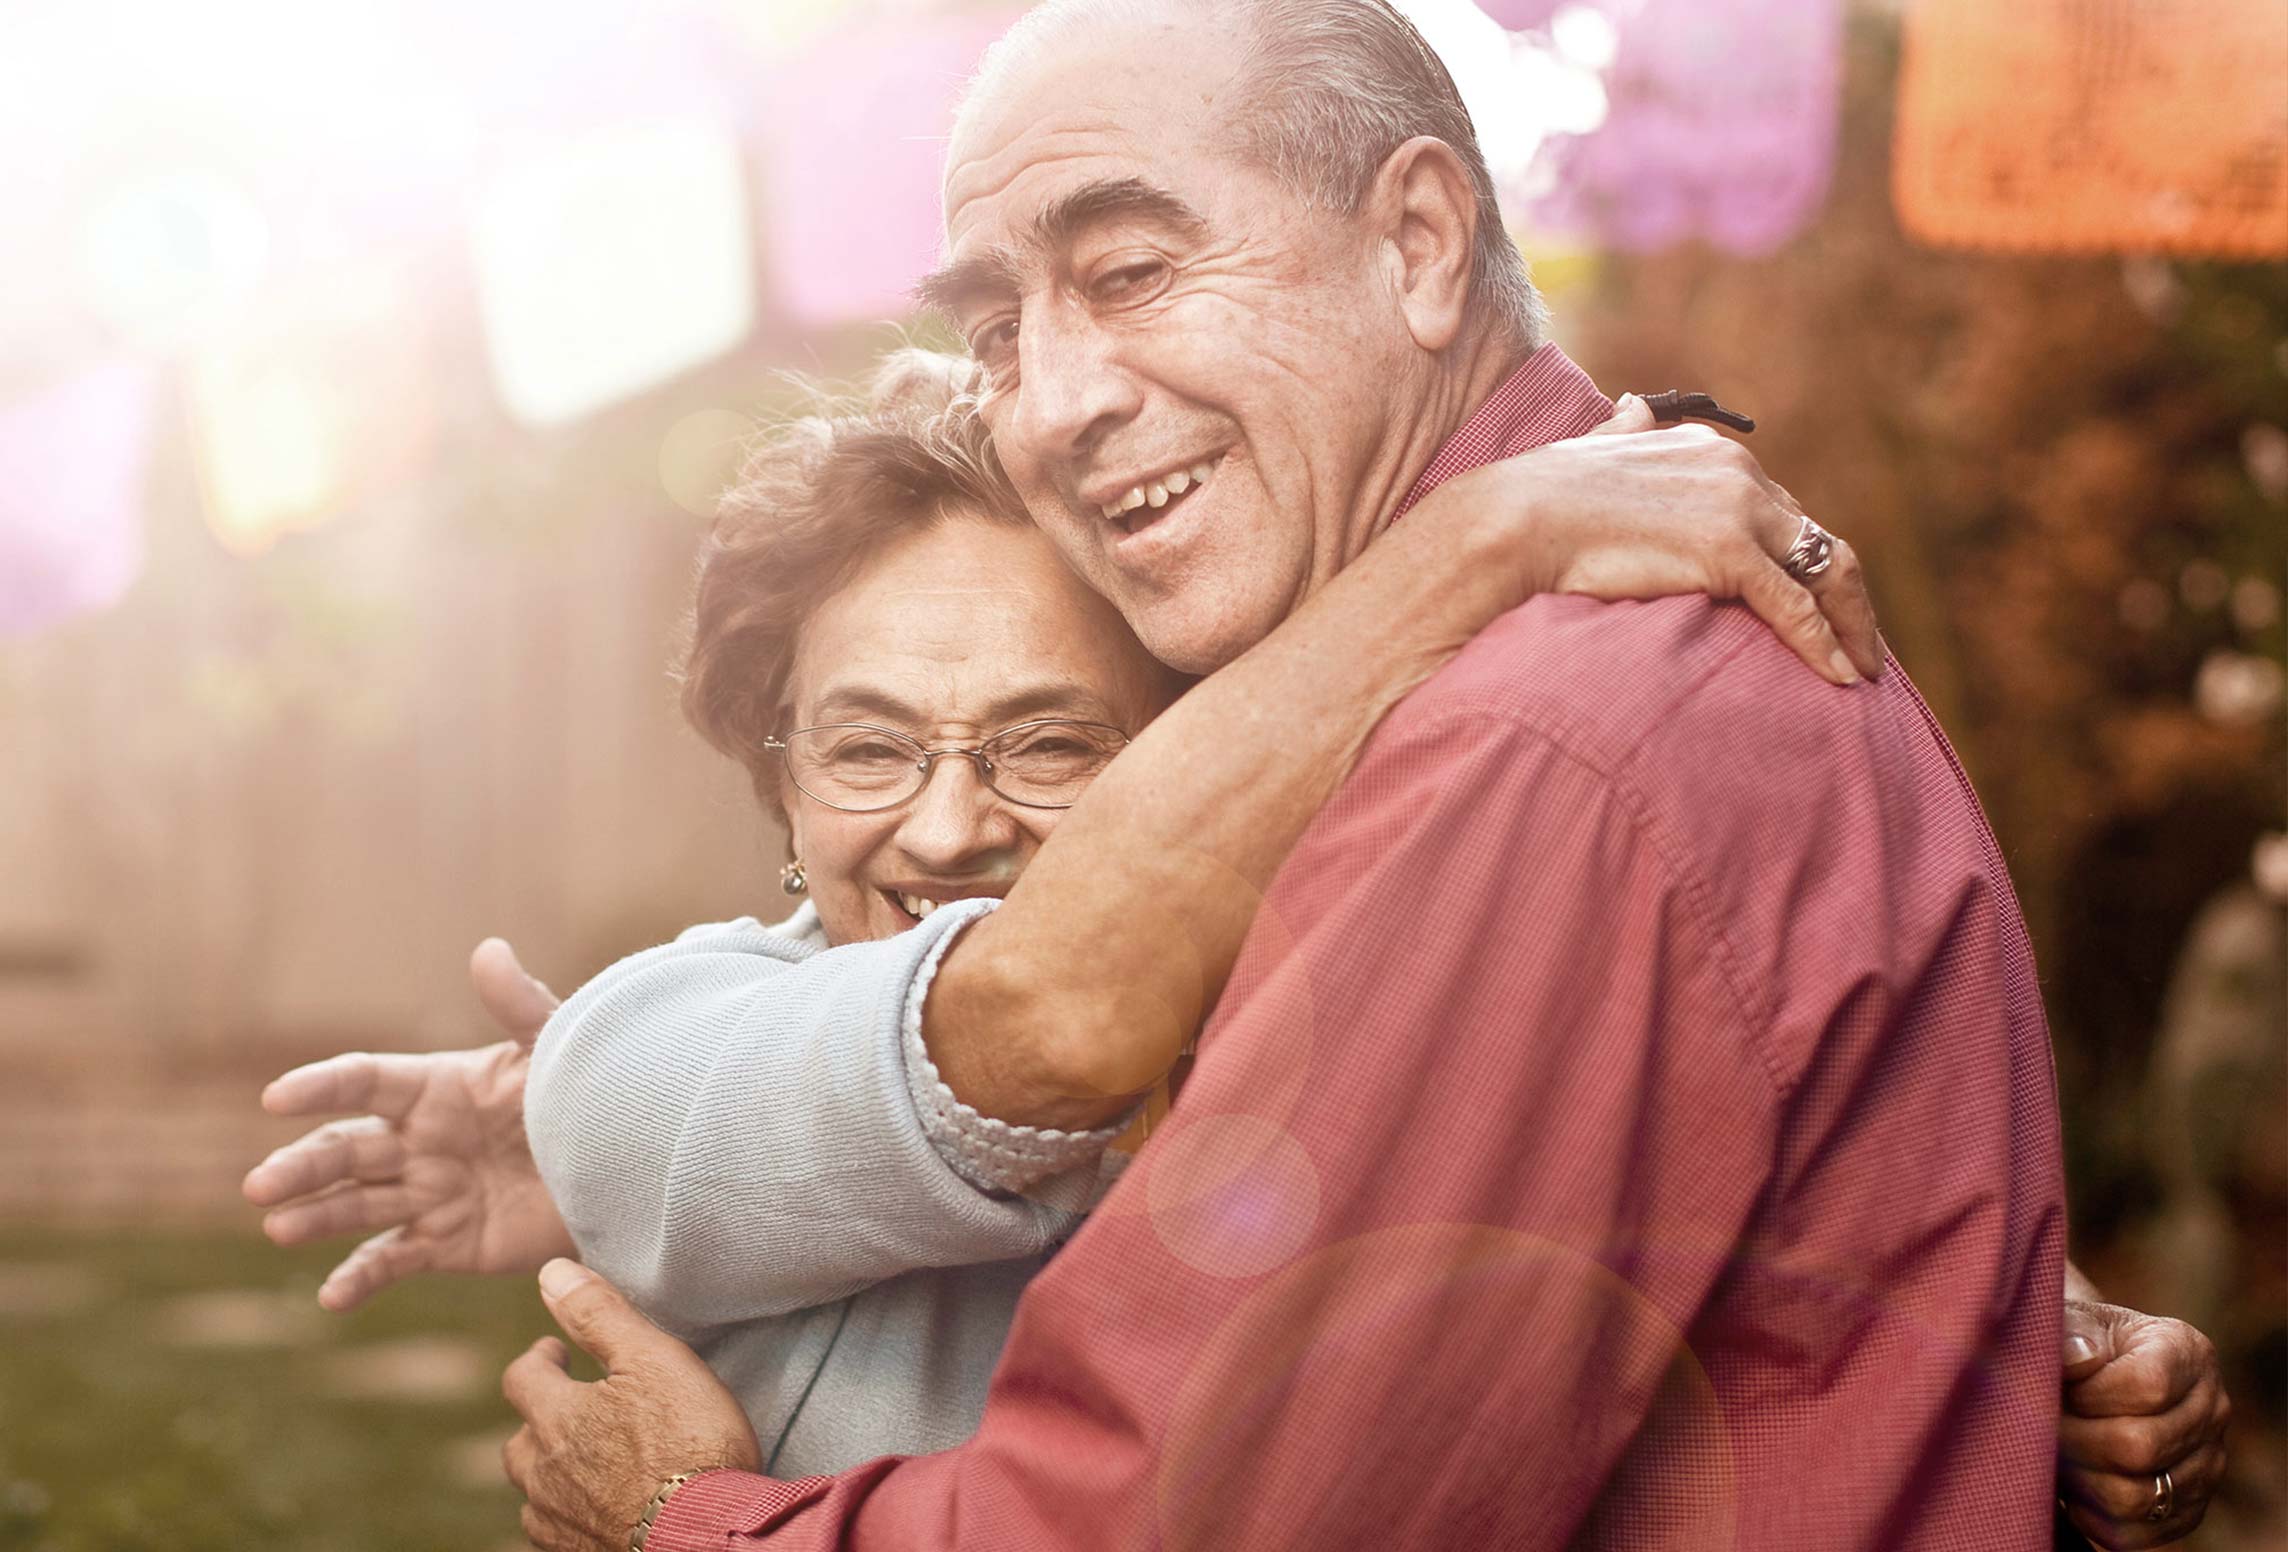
(748, 1129)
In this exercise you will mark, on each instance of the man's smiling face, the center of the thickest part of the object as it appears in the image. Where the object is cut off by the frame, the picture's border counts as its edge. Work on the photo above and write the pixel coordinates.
(1188, 367)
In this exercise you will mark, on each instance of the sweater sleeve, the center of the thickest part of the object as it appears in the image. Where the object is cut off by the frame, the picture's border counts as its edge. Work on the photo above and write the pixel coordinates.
(727, 1125)
(1413, 1258)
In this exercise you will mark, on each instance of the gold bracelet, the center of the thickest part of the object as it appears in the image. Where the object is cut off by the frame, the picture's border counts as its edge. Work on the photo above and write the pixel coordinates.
(642, 1532)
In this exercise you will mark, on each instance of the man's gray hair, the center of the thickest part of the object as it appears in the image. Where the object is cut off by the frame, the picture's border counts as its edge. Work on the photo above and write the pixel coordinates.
(1326, 91)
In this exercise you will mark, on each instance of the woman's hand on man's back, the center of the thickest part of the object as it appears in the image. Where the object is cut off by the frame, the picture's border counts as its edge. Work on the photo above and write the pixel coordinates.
(1632, 509)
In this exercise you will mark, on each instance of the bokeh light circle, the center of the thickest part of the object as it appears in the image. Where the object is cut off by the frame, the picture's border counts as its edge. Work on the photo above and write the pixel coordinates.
(1468, 1307)
(700, 456)
(1232, 1195)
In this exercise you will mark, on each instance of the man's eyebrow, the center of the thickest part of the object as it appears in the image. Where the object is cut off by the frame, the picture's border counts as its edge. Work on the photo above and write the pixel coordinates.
(988, 274)
(1112, 199)
(996, 273)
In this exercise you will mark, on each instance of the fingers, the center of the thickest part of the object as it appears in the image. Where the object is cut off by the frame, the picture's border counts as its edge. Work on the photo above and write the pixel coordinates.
(599, 1318)
(1840, 590)
(516, 1001)
(535, 1384)
(2139, 1445)
(520, 1463)
(367, 1149)
(2152, 1403)
(2085, 1342)
(549, 1534)
(1827, 619)
(1842, 594)
(347, 1209)
(516, 1458)
(2111, 1508)
(358, 1080)
(1789, 608)
(1630, 413)
(536, 1378)
(388, 1257)
(2156, 1364)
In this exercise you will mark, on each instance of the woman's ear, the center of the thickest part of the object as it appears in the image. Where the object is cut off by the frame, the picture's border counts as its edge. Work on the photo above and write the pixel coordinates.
(1428, 214)
(787, 819)
(792, 877)
(775, 795)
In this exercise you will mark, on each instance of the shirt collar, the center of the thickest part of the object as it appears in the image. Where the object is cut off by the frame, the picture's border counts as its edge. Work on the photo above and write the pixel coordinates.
(1545, 400)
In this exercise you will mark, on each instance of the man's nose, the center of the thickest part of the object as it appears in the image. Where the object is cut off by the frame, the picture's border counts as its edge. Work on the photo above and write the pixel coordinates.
(1071, 387)
(955, 818)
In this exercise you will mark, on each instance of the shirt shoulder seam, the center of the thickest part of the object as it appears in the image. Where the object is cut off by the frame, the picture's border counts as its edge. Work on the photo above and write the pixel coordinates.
(1673, 854)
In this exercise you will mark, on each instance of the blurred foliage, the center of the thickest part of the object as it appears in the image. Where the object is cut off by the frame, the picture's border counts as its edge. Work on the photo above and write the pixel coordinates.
(175, 1393)
(2068, 477)
(2046, 463)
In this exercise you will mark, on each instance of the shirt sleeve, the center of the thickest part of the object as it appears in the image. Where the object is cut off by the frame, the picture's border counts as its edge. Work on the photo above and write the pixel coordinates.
(727, 1125)
(1419, 1250)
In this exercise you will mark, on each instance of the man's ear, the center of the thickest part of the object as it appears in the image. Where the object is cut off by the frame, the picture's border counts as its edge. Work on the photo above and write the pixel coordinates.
(1427, 214)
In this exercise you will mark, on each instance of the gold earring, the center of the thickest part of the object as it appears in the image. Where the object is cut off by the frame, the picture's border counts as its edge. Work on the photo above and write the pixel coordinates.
(792, 879)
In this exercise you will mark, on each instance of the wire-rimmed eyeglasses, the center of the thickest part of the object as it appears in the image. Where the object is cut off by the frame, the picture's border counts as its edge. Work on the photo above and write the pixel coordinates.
(861, 768)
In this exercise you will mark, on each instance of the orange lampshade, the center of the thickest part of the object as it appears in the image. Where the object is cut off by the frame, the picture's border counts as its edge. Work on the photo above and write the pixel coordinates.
(2081, 125)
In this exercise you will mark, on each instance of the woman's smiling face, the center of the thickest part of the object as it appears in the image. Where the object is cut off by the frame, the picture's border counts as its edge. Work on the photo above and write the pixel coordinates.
(953, 633)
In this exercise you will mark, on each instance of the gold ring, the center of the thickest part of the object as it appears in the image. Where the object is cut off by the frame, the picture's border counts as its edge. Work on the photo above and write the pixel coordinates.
(2164, 1498)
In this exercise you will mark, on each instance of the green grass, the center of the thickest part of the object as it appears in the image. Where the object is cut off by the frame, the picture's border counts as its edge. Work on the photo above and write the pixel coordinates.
(121, 1432)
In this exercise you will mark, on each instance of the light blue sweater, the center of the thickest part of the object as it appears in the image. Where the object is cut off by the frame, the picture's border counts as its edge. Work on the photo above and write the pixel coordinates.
(744, 1133)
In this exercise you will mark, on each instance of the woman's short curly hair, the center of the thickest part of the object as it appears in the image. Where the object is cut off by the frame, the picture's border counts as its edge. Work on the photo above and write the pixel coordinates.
(816, 498)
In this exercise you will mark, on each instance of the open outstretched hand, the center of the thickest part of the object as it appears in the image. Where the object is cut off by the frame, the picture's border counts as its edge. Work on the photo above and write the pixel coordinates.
(437, 1163)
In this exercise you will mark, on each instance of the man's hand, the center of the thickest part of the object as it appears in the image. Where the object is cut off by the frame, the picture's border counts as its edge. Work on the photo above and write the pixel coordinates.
(2142, 1397)
(440, 1166)
(1630, 510)
(590, 1456)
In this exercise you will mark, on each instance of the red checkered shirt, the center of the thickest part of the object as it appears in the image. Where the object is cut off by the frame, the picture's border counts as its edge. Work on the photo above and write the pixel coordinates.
(1630, 1124)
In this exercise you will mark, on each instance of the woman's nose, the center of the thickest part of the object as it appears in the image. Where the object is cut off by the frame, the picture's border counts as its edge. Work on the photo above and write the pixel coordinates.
(955, 817)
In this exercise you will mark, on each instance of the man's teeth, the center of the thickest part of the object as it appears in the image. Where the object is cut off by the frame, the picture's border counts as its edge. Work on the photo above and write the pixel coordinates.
(916, 906)
(1160, 491)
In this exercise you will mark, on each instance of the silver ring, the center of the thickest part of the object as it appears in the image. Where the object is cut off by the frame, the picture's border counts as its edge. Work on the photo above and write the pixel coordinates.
(2164, 1498)
(1812, 553)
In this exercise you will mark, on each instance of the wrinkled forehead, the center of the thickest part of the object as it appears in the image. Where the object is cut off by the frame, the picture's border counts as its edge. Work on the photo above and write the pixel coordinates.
(1087, 105)
(969, 593)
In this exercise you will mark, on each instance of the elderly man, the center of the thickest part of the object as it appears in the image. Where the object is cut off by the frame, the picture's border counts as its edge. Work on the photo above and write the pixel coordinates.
(1632, 1122)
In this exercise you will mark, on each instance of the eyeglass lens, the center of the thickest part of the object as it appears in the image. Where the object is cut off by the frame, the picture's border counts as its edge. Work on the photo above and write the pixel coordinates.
(859, 767)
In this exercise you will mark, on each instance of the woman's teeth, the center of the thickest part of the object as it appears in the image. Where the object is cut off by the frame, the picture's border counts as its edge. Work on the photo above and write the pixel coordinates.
(916, 906)
(1160, 491)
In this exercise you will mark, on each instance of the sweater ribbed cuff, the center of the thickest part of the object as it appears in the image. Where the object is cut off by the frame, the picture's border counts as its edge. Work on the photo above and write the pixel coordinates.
(991, 1155)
